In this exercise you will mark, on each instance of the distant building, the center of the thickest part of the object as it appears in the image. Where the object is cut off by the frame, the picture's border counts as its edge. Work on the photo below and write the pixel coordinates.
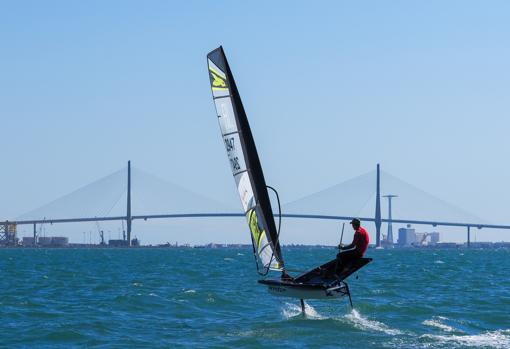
(434, 237)
(420, 238)
(406, 236)
(118, 243)
(28, 241)
(386, 243)
(51, 241)
(425, 239)
(44, 240)
(59, 241)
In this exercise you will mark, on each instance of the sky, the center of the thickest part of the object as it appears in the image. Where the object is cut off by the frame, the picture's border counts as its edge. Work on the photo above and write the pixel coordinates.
(330, 89)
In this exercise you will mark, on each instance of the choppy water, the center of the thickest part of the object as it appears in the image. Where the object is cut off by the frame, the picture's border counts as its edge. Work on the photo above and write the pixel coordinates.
(166, 298)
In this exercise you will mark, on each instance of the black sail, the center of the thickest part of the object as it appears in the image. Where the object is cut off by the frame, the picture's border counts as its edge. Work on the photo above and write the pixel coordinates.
(245, 163)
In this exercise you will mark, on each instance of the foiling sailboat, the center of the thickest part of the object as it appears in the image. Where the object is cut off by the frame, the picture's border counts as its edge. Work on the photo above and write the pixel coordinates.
(323, 282)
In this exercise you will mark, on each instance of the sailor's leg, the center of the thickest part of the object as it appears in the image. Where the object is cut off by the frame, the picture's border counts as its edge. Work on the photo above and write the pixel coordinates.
(303, 306)
(345, 257)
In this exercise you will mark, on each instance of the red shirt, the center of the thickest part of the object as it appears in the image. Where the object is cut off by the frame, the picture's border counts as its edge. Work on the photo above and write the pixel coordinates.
(361, 240)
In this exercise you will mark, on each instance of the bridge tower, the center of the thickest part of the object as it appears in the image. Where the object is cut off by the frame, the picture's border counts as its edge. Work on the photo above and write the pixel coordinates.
(128, 211)
(389, 238)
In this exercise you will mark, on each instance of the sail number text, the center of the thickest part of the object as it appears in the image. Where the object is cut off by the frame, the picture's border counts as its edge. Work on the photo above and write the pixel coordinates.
(231, 151)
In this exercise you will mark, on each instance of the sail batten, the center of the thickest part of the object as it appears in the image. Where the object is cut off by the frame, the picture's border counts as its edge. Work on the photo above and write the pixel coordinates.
(244, 163)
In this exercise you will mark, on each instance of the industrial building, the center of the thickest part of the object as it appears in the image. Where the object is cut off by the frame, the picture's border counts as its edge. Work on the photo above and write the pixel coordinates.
(8, 234)
(409, 237)
(406, 236)
(28, 241)
(46, 241)
(118, 243)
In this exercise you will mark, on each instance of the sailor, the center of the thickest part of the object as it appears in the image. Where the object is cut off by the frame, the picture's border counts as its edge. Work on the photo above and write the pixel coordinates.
(357, 248)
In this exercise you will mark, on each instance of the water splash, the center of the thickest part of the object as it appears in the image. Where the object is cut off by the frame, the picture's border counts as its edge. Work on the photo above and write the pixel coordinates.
(363, 323)
(499, 339)
(437, 323)
(291, 310)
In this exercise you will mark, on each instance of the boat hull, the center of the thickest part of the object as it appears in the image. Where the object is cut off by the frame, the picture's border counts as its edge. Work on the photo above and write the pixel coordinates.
(323, 282)
(304, 291)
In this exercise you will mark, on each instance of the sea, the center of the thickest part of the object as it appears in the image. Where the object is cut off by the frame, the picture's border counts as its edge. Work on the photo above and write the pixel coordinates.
(210, 298)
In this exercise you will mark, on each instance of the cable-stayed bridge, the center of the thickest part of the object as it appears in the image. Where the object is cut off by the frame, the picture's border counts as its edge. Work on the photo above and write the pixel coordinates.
(112, 198)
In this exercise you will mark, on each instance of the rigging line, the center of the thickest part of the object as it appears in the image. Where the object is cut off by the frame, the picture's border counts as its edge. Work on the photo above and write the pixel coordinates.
(279, 211)
(115, 203)
(106, 213)
(277, 243)
(365, 204)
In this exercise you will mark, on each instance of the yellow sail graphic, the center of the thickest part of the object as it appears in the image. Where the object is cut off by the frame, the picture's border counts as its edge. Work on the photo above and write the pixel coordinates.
(218, 80)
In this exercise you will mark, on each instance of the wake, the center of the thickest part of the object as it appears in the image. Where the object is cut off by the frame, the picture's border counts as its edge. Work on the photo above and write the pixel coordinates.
(499, 339)
(363, 323)
(455, 337)
(354, 318)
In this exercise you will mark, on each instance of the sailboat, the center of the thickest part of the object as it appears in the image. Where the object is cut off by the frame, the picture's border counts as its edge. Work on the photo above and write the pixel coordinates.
(323, 282)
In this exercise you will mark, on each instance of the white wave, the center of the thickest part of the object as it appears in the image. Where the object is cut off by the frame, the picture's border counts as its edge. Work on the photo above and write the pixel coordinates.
(291, 310)
(228, 259)
(499, 339)
(438, 324)
(439, 262)
(190, 291)
(377, 291)
(366, 324)
(240, 254)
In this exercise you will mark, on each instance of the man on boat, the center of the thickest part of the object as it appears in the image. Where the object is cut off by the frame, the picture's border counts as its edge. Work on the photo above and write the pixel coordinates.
(357, 248)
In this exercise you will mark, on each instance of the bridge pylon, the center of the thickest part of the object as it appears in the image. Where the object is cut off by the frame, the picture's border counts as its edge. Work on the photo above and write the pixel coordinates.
(129, 218)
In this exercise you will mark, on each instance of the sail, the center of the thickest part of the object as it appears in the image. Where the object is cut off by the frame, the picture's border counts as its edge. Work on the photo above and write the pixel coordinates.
(244, 163)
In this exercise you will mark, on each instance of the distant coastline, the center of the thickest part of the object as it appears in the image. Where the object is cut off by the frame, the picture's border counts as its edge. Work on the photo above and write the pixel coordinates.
(442, 245)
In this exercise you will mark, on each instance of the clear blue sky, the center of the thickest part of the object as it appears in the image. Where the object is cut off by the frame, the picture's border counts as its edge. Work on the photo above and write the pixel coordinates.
(331, 88)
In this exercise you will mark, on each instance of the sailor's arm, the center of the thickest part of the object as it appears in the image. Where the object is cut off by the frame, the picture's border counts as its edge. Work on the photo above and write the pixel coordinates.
(352, 245)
